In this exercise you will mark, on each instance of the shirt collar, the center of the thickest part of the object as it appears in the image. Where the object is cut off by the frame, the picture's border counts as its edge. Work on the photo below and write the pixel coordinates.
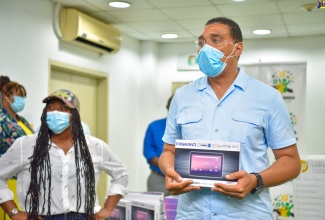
(241, 81)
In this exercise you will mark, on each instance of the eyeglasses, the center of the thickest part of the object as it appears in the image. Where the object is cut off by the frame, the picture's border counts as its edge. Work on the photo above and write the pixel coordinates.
(217, 42)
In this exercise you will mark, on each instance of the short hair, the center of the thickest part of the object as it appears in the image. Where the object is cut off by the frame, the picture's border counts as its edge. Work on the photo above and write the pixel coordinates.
(8, 87)
(234, 28)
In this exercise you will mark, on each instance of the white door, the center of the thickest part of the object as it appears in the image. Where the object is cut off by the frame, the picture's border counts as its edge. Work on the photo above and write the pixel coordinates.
(91, 88)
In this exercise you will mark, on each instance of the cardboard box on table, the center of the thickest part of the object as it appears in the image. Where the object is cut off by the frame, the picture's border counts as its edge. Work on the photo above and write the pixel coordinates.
(146, 211)
(171, 207)
(206, 162)
(122, 211)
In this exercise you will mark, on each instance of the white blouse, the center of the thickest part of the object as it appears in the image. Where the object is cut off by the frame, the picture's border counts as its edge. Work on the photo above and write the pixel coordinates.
(16, 162)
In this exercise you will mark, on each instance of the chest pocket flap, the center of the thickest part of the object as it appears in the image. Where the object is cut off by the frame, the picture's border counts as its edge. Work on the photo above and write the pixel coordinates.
(187, 118)
(250, 117)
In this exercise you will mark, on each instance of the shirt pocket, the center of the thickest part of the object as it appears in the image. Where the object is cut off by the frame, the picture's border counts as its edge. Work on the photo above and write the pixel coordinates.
(191, 125)
(247, 127)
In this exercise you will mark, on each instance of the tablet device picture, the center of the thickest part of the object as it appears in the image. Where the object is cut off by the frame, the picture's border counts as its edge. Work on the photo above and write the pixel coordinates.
(206, 164)
(142, 215)
(115, 215)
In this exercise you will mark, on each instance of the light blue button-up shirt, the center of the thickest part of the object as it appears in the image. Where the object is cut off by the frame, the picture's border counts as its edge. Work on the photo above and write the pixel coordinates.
(251, 113)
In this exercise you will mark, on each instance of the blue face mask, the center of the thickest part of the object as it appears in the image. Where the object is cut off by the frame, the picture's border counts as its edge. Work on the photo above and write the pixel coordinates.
(57, 121)
(209, 60)
(18, 104)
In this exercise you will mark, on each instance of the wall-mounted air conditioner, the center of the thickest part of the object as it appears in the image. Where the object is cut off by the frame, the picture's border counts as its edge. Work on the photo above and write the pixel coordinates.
(83, 30)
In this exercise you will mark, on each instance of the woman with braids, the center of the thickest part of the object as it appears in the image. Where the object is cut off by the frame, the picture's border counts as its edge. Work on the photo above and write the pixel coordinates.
(12, 126)
(58, 169)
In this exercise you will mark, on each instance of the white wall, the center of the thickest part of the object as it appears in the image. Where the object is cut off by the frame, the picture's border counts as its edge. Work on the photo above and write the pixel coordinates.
(140, 76)
(28, 42)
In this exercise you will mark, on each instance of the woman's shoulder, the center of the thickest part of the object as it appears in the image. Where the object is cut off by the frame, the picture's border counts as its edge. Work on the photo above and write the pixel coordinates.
(94, 141)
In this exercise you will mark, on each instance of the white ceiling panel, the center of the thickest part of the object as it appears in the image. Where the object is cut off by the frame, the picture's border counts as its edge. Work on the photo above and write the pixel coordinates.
(289, 6)
(178, 3)
(103, 4)
(249, 9)
(262, 21)
(148, 19)
(139, 15)
(161, 26)
(305, 18)
(237, 3)
(307, 29)
(192, 12)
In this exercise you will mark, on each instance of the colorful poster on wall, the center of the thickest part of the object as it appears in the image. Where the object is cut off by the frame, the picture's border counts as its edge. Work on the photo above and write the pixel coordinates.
(309, 190)
(290, 80)
(187, 62)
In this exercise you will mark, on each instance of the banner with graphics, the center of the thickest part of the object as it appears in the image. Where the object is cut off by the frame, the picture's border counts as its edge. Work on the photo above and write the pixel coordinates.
(309, 190)
(290, 80)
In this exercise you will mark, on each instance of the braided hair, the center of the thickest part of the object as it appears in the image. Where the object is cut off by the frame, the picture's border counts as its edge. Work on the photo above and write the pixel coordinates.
(41, 169)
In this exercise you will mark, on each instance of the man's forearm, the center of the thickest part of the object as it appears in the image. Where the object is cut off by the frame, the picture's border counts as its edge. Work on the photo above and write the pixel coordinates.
(166, 160)
(285, 168)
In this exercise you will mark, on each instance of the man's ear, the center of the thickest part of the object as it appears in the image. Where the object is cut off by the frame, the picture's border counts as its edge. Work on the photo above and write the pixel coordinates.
(239, 49)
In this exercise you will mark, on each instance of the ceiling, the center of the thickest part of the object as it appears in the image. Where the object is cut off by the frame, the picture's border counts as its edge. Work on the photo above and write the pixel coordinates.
(148, 19)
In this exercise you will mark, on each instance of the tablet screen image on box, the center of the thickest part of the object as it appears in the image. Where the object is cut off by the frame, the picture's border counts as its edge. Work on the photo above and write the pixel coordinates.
(206, 162)
(115, 215)
(203, 164)
(142, 215)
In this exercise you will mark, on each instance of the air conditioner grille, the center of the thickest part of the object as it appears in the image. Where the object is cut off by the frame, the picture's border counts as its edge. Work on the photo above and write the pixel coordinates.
(93, 44)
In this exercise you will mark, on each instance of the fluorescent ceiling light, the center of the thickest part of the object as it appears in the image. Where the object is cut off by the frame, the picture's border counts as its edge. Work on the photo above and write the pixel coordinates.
(119, 4)
(238, 0)
(169, 36)
(261, 32)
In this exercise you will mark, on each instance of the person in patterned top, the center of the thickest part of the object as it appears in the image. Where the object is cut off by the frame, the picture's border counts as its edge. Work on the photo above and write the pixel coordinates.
(12, 125)
(12, 101)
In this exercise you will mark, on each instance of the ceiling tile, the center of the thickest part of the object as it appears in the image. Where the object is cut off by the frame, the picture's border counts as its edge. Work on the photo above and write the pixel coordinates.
(178, 3)
(305, 18)
(155, 26)
(306, 29)
(289, 6)
(147, 19)
(218, 2)
(81, 5)
(276, 31)
(139, 15)
(249, 9)
(135, 4)
(261, 21)
(192, 12)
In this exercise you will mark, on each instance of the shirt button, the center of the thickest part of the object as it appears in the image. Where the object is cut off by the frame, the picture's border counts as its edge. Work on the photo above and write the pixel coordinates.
(216, 130)
(214, 214)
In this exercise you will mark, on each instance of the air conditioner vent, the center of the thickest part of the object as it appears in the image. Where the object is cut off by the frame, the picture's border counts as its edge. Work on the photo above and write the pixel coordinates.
(83, 30)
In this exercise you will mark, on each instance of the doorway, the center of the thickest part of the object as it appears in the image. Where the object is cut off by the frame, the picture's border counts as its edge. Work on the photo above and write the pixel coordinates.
(91, 88)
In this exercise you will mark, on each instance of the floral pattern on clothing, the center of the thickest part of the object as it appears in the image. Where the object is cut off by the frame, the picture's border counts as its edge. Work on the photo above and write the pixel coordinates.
(10, 130)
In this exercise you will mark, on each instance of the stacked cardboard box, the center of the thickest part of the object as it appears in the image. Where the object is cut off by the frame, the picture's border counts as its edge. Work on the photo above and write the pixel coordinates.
(122, 211)
(171, 207)
(140, 206)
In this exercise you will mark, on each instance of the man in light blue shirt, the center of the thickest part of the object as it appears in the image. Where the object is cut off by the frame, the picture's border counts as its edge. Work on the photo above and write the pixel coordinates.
(228, 105)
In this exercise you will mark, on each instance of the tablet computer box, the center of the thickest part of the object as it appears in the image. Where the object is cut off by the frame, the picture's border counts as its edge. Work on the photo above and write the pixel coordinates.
(146, 211)
(145, 196)
(122, 211)
(206, 162)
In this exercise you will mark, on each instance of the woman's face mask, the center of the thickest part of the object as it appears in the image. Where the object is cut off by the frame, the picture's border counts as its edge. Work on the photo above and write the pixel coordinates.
(18, 104)
(57, 121)
(209, 60)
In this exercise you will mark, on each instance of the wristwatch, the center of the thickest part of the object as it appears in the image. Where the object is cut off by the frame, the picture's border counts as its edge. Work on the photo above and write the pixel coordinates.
(260, 186)
(13, 212)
